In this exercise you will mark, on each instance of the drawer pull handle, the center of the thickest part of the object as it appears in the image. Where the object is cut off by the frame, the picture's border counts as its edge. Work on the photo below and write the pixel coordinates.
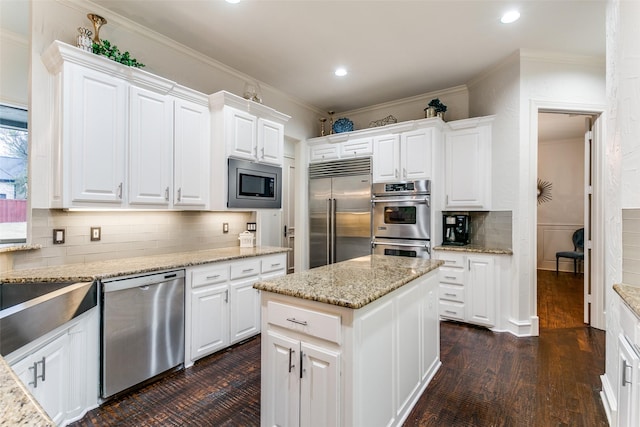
(450, 312)
(247, 270)
(299, 322)
(215, 276)
(450, 277)
(450, 295)
(275, 265)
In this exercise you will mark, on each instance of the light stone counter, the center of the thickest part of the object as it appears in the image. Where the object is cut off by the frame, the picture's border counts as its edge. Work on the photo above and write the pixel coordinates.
(353, 283)
(17, 405)
(630, 295)
(475, 248)
(127, 266)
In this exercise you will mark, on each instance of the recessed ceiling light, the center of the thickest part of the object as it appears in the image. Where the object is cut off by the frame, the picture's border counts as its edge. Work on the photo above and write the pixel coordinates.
(233, 1)
(340, 72)
(509, 17)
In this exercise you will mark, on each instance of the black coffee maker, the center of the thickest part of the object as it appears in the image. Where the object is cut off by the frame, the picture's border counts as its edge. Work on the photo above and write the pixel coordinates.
(456, 229)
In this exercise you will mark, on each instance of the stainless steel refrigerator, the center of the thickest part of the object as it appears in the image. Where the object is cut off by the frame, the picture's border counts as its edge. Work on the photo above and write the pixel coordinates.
(339, 211)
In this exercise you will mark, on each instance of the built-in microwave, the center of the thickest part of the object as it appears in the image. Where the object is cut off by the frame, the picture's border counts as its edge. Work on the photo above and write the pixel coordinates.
(254, 185)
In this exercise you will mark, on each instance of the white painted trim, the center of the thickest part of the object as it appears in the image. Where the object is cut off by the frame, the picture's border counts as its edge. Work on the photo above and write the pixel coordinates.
(15, 37)
(560, 57)
(609, 402)
(522, 328)
(598, 222)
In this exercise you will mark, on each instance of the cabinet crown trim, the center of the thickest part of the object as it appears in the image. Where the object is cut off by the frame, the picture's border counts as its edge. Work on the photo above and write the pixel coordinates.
(223, 98)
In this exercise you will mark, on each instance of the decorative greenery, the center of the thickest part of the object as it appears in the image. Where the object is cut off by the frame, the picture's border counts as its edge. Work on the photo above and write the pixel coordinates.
(105, 48)
(439, 106)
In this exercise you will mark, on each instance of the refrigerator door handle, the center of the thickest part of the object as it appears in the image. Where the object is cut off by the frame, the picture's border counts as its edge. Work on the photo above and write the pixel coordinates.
(328, 234)
(333, 231)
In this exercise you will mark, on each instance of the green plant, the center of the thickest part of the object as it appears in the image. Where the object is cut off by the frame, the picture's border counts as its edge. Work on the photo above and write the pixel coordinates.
(105, 48)
(439, 106)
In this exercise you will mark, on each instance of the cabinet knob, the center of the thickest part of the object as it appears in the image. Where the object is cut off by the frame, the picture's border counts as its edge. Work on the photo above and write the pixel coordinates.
(179, 194)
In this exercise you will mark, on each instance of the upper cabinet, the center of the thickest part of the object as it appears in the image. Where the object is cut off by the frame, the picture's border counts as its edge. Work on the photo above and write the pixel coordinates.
(123, 137)
(245, 130)
(468, 164)
(404, 156)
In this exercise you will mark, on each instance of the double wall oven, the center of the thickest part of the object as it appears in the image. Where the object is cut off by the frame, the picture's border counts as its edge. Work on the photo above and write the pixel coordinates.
(402, 218)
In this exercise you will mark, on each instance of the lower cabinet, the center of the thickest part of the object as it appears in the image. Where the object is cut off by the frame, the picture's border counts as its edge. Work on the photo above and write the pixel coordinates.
(222, 307)
(60, 369)
(325, 365)
(467, 288)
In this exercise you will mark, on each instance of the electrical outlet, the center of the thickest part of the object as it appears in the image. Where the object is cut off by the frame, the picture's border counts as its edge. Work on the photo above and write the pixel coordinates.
(251, 226)
(225, 227)
(96, 234)
(58, 236)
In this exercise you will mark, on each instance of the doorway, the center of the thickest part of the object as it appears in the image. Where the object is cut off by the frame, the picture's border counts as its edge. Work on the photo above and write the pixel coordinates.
(564, 208)
(289, 203)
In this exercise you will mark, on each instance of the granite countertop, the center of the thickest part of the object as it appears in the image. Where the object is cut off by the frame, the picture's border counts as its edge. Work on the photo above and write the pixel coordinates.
(17, 405)
(127, 266)
(353, 283)
(630, 295)
(475, 248)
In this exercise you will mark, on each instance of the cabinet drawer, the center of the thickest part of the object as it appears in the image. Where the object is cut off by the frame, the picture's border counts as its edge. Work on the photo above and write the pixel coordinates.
(245, 269)
(452, 293)
(314, 323)
(359, 147)
(209, 276)
(273, 263)
(320, 153)
(452, 260)
(451, 275)
(451, 310)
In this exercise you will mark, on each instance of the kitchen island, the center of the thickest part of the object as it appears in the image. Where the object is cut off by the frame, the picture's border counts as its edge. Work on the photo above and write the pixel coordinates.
(349, 344)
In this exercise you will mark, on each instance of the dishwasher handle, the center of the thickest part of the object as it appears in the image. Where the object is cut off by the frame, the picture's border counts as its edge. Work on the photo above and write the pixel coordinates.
(141, 282)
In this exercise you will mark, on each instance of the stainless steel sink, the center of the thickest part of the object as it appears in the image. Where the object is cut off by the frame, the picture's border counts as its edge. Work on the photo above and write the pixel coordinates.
(30, 310)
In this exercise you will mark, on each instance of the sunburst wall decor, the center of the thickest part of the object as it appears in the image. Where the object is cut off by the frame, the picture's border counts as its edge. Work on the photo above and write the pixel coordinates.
(544, 191)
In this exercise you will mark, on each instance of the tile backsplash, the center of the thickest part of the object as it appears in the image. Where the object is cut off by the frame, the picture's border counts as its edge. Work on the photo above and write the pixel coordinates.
(126, 234)
(631, 246)
(491, 229)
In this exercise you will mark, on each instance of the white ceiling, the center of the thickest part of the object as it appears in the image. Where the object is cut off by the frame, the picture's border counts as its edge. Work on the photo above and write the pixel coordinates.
(393, 49)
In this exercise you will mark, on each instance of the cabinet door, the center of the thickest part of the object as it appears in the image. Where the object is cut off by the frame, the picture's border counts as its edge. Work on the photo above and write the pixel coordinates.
(628, 387)
(481, 295)
(356, 148)
(281, 381)
(191, 154)
(323, 152)
(319, 386)
(386, 161)
(94, 123)
(270, 142)
(467, 155)
(241, 135)
(408, 375)
(415, 153)
(244, 310)
(210, 320)
(45, 375)
(150, 147)
(430, 332)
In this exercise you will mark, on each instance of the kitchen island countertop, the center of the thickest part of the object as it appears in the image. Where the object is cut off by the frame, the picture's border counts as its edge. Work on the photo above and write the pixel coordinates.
(87, 272)
(353, 283)
(17, 405)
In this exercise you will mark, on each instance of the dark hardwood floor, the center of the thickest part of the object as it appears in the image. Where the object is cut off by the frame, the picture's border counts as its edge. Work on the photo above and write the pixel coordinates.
(486, 378)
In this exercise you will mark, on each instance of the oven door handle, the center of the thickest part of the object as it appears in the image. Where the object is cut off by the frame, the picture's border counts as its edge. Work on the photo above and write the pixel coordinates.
(407, 245)
(414, 201)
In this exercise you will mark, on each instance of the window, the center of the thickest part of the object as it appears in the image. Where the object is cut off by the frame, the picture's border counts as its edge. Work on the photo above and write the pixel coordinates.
(13, 174)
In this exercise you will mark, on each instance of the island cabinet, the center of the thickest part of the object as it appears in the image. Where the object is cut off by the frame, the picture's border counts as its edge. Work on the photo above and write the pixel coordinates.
(330, 365)
(222, 307)
(124, 138)
(468, 164)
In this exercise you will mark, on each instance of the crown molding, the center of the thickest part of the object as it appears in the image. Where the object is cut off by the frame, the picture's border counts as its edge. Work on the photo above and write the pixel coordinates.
(15, 37)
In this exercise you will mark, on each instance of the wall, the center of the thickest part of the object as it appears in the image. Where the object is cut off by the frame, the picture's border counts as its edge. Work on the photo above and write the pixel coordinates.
(631, 247)
(561, 163)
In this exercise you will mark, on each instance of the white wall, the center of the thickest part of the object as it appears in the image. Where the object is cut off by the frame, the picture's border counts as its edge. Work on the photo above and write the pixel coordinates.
(560, 162)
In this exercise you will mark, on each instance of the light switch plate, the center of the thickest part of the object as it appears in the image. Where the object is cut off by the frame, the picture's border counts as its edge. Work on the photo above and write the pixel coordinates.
(251, 226)
(96, 234)
(225, 227)
(58, 236)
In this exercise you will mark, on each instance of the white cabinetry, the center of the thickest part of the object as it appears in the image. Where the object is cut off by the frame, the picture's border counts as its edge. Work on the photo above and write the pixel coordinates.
(223, 308)
(242, 129)
(468, 164)
(468, 287)
(328, 365)
(339, 147)
(407, 156)
(628, 368)
(60, 369)
(115, 130)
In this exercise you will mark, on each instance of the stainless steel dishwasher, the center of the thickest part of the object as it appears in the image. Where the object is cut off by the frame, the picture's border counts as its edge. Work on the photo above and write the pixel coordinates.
(142, 329)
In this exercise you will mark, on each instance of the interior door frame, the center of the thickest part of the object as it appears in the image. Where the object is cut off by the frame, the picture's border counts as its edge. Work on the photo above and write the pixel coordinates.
(595, 265)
